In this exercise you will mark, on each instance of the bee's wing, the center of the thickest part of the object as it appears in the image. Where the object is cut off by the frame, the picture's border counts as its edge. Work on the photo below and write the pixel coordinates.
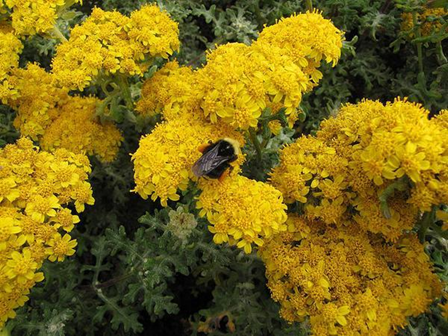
(208, 161)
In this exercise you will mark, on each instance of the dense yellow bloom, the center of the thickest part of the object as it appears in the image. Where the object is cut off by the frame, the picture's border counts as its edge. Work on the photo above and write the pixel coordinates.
(110, 43)
(40, 207)
(21, 266)
(78, 130)
(10, 48)
(37, 101)
(152, 32)
(359, 155)
(35, 188)
(9, 227)
(345, 280)
(229, 89)
(163, 161)
(403, 216)
(305, 37)
(171, 91)
(7, 190)
(442, 119)
(47, 113)
(395, 139)
(36, 16)
(83, 195)
(241, 210)
(239, 81)
(429, 20)
(304, 164)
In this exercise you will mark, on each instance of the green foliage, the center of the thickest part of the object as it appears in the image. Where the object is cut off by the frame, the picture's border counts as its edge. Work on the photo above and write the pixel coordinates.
(123, 281)
(8, 133)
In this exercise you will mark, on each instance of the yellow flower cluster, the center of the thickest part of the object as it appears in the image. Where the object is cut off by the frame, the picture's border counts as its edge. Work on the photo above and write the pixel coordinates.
(110, 43)
(442, 119)
(47, 113)
(10, 48)
(35, 189)
(239, 81)
(163, 161)
(36, 16)
(241, 211)
(225, 97)
(77, 130)
(368, 159)
(152, 32)
(171, 91)
(318, 39)
(429, 20)
(38, 100)
(347, 281)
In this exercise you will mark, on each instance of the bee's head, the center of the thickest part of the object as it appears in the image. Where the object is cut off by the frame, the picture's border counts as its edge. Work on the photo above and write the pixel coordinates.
(235, 144)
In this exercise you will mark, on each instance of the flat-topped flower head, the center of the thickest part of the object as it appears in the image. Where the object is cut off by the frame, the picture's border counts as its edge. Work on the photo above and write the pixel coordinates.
(345, 280)
(163, 161)
(239, 82)
(357, 157)
(109, 43)
(241, 210)
(172, 92)
(305, 37)
(34, 216)
(36, 16)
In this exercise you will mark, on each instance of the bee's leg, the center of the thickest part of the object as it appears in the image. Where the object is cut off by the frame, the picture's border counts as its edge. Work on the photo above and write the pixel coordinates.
(203, 147)
(225, 174)
(226, 170)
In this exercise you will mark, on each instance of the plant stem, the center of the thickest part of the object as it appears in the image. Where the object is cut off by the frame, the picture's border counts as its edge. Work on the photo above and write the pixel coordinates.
(399, 185)
(256, 7)
(124, 86)
(426, 221)
(58, 34)
(440, 55)
(101, 108)
(419, 45)
(309, 5)
(254, 139)
(116, 280)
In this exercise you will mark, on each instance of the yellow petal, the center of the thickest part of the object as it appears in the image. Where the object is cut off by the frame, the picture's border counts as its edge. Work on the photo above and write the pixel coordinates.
(341, 320)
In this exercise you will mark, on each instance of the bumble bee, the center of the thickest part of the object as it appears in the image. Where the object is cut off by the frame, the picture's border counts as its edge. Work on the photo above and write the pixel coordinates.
(216, 158)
